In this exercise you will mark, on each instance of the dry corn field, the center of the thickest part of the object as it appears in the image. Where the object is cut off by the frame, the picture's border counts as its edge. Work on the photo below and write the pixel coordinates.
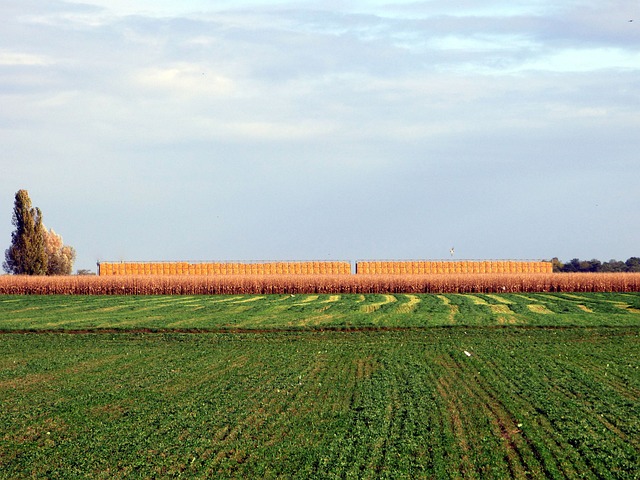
(337, 283)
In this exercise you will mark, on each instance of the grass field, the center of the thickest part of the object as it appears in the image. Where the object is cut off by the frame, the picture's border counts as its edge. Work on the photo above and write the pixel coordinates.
(233, 312)
(321, 386)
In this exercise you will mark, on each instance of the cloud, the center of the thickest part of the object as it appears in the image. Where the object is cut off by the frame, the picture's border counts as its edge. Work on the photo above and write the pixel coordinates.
(8, 58)
(288, 130)
(184, 80)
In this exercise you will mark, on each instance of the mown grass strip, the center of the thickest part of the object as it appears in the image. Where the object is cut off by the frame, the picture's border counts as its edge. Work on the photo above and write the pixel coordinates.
(203, 312)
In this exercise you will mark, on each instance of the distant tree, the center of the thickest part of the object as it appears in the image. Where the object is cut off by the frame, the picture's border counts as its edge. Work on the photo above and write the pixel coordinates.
(84, 271)
(557, 265)
(26, 255)
(592, 265)
(35, 250)
(60, 257)
(633, 264)
(614, 266)
(572, 266)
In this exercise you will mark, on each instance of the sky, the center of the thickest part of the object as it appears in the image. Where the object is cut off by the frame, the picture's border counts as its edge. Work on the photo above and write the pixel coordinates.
(336, 130)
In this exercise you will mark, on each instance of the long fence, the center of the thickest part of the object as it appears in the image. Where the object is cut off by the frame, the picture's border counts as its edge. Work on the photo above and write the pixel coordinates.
(415, 267)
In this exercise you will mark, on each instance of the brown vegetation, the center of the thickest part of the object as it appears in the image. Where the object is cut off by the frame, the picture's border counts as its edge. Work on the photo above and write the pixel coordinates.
(428, 267)
(414, 267)
(300, 284)
(224, 268)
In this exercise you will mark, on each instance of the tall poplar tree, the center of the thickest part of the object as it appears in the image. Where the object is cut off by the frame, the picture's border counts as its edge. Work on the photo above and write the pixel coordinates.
(27, 254)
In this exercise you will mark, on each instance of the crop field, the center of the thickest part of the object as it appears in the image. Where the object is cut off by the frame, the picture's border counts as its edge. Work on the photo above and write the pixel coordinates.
(317, 283)
(346, 311)
(320, 386)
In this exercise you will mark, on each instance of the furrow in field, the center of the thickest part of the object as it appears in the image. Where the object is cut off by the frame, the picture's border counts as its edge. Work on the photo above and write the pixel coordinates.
(248, 299)
(372, 307)
(378, 451)
(501, 309)
(576, 401)
(551, 304)
(331, 299)
(270, 407)
(347, 442)
(500, 298)
(397, 424)
(453, 309)
(503, 424)
(314, 320)
(308, 299)
(521, 403)
(477, 300)
(573, 297)
(539, 308)
(626, 307)
(506, 425)
(585, 390)
(410, 305)
(545, 453)
(113, 308)
(457, 422)
(526, 298)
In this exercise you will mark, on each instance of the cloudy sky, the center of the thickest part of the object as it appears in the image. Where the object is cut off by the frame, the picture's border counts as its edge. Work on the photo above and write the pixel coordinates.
(343, 129)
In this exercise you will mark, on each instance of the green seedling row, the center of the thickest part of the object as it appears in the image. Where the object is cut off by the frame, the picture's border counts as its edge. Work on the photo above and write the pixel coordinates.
(320, 386)
(434, 403)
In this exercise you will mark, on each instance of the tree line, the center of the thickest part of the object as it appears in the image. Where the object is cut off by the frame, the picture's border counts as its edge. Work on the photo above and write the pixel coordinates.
(35, 250)
(576, 265)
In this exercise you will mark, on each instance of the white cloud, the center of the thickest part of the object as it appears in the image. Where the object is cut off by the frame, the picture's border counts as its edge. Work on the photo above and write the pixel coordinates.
(8, 58)
(585, 60)
(186, 80)
(345, 124)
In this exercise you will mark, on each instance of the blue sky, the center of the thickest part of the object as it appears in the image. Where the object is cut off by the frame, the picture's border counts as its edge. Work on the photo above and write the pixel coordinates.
(195, 130)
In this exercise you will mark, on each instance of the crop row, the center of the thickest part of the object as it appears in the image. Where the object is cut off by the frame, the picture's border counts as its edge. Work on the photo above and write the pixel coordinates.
(453, 403)
(292, 284)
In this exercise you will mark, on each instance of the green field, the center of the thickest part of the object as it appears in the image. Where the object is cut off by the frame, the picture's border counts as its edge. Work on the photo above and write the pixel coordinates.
(475, 386)
(278, 312)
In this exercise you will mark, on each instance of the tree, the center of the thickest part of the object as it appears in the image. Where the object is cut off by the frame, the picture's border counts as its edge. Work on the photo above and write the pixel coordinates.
(593, 265)
(614, 266)
(26, 255)
(572, 266)
(557, 265)
(633, 264)
(60, 257)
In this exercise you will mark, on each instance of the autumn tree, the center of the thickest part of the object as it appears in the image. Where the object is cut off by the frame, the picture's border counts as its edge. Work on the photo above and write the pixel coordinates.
(35, 250)
(26, 255)
(60, 257)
